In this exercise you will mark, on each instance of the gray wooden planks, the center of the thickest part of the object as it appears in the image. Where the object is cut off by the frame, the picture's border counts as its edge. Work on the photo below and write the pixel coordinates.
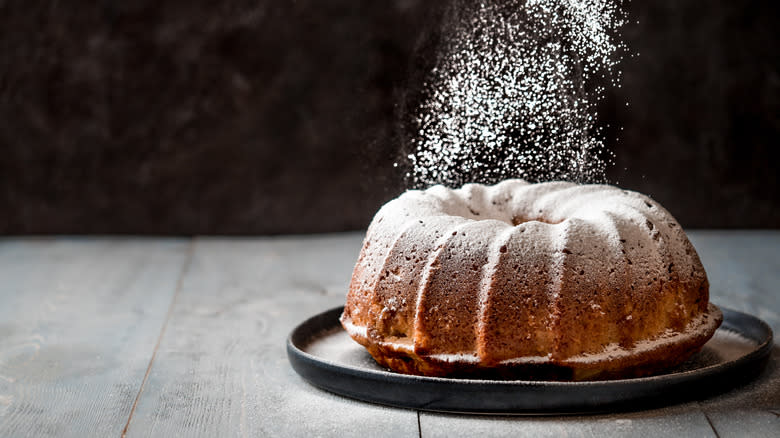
(744, 272)
(79, 319)
(221, 368)
(743, 268)
(752, 410)
(680, 421)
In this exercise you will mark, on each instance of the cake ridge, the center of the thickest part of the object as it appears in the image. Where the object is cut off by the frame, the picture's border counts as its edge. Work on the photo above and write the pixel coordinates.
(419, 318)
(377, 288)
(561, 253)
(489, 276)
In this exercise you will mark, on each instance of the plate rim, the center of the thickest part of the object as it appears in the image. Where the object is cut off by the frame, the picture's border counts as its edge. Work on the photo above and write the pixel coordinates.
(306, 364)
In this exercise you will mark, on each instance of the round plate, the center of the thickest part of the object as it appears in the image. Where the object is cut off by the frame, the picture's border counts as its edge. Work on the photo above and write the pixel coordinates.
(323, 354)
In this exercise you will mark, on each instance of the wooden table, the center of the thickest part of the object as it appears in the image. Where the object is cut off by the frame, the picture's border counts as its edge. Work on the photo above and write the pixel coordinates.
(186, 337)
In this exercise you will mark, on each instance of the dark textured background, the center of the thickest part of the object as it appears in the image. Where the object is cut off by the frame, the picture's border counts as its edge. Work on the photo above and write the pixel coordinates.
(275, 117)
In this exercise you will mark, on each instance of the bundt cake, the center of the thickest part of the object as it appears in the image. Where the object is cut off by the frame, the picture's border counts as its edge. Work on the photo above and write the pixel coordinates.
(547, 281)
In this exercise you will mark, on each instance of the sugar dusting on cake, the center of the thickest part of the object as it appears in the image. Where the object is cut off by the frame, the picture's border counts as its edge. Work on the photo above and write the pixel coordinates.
(354, 330)
(514, 93)
(626, 230)
(627, 224)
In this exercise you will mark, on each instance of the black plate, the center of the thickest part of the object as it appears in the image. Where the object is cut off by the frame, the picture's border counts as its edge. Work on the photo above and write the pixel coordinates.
(323, 354)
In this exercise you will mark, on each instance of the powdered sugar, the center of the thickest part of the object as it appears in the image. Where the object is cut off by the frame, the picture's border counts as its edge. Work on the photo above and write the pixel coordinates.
(514, 93)
(354, 330)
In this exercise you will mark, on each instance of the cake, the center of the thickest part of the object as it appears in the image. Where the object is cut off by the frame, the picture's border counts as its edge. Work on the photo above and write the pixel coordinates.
(543, 281)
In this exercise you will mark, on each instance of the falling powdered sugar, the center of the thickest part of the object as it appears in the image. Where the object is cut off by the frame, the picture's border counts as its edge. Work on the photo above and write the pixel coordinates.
(514, 91)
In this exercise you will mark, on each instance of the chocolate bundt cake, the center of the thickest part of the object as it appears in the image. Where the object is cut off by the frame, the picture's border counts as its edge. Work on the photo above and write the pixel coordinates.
(550, 281)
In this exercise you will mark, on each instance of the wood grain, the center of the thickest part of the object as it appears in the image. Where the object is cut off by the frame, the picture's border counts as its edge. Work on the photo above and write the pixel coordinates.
(221, 368)
(79, 319)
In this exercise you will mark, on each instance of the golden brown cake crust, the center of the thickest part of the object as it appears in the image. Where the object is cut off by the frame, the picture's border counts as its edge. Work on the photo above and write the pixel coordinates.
(556, 280)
